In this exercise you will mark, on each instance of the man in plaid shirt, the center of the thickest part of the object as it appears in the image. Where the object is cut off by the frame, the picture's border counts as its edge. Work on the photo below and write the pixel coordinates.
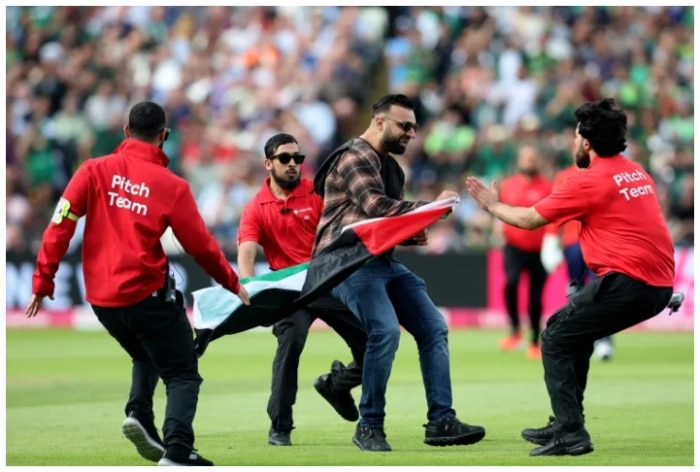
(359, 181)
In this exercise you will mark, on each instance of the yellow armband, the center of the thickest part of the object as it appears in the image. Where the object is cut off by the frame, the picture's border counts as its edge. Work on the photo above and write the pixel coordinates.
(63, 211)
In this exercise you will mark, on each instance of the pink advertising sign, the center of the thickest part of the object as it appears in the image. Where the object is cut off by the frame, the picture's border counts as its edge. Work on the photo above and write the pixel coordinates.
(555, 290)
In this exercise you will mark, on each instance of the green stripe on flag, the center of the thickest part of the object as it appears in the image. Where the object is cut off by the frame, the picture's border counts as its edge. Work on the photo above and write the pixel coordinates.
(277, 275)
(268, 292)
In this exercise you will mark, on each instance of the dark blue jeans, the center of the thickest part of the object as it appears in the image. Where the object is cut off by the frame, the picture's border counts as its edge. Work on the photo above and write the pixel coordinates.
(385, 295)
(575, 265)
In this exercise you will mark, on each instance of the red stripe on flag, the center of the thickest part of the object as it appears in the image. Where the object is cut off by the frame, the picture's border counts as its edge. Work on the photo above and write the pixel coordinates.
(382, 234)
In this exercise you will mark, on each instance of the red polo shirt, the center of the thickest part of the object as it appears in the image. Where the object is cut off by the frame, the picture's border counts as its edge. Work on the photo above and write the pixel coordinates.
(520, 190)
(284, 229)
(622, 228)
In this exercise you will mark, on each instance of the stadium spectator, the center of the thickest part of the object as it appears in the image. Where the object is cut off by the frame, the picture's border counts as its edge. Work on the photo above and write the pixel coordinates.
(569, 64)
(245, 63)
(18, 209)
(682, 212)
(222, 202)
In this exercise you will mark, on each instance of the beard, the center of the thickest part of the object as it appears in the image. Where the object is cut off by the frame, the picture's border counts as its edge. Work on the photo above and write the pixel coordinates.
(582, 158)
(287, 181)
(395, 145)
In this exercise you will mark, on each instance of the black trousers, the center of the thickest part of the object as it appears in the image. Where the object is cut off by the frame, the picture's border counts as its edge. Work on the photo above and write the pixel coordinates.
(603, 307)
(291, 333)
(158, 337)
(515, 262)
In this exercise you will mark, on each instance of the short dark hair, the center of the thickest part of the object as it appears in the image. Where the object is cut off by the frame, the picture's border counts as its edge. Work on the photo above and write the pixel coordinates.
(384, 103)
(603, 125)
(276, 141)
(146, 120)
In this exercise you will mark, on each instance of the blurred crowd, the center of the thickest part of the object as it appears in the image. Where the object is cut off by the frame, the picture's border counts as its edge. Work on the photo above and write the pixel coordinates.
(485, 80)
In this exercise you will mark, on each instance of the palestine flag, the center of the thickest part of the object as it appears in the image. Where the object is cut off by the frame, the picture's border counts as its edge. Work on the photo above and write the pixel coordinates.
(360, 242)
(218, 312)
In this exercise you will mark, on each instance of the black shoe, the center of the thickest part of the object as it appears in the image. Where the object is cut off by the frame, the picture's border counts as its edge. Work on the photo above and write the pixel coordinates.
(370, 438)
(542, 435)
(279, 438)
(340, 400)
(202, 338)
(145, 437)
(566, 443)
(450, 431)
(176, 456)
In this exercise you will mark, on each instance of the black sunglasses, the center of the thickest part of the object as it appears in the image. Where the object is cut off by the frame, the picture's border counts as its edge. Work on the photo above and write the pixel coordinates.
(285, 157)
(405, 125)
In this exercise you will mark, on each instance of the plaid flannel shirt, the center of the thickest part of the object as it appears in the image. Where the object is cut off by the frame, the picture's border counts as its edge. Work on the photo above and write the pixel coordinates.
(354, 191)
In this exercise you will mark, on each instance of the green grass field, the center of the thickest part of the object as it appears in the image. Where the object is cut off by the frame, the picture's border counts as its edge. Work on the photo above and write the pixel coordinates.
(66, 391)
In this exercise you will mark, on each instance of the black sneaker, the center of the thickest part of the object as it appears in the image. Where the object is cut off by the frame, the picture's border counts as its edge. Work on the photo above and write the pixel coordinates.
(176, 456)
(279, 438)
(145, 437)
(340, 400)
(565, 443)
(370, 438)
(542, 435)
(450, 431)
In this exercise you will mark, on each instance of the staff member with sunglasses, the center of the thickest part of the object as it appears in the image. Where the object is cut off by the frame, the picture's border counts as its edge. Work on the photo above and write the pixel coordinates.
(282, 218)
(129, 198)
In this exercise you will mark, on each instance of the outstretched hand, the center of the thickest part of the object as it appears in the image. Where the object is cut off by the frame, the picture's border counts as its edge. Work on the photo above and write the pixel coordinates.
(482, 195)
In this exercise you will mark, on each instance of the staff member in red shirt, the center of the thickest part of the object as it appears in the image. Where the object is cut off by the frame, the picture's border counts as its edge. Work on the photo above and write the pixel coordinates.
(567, 236)
(129, 199)
(625, 241)
(282, 218)
(522, 250)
